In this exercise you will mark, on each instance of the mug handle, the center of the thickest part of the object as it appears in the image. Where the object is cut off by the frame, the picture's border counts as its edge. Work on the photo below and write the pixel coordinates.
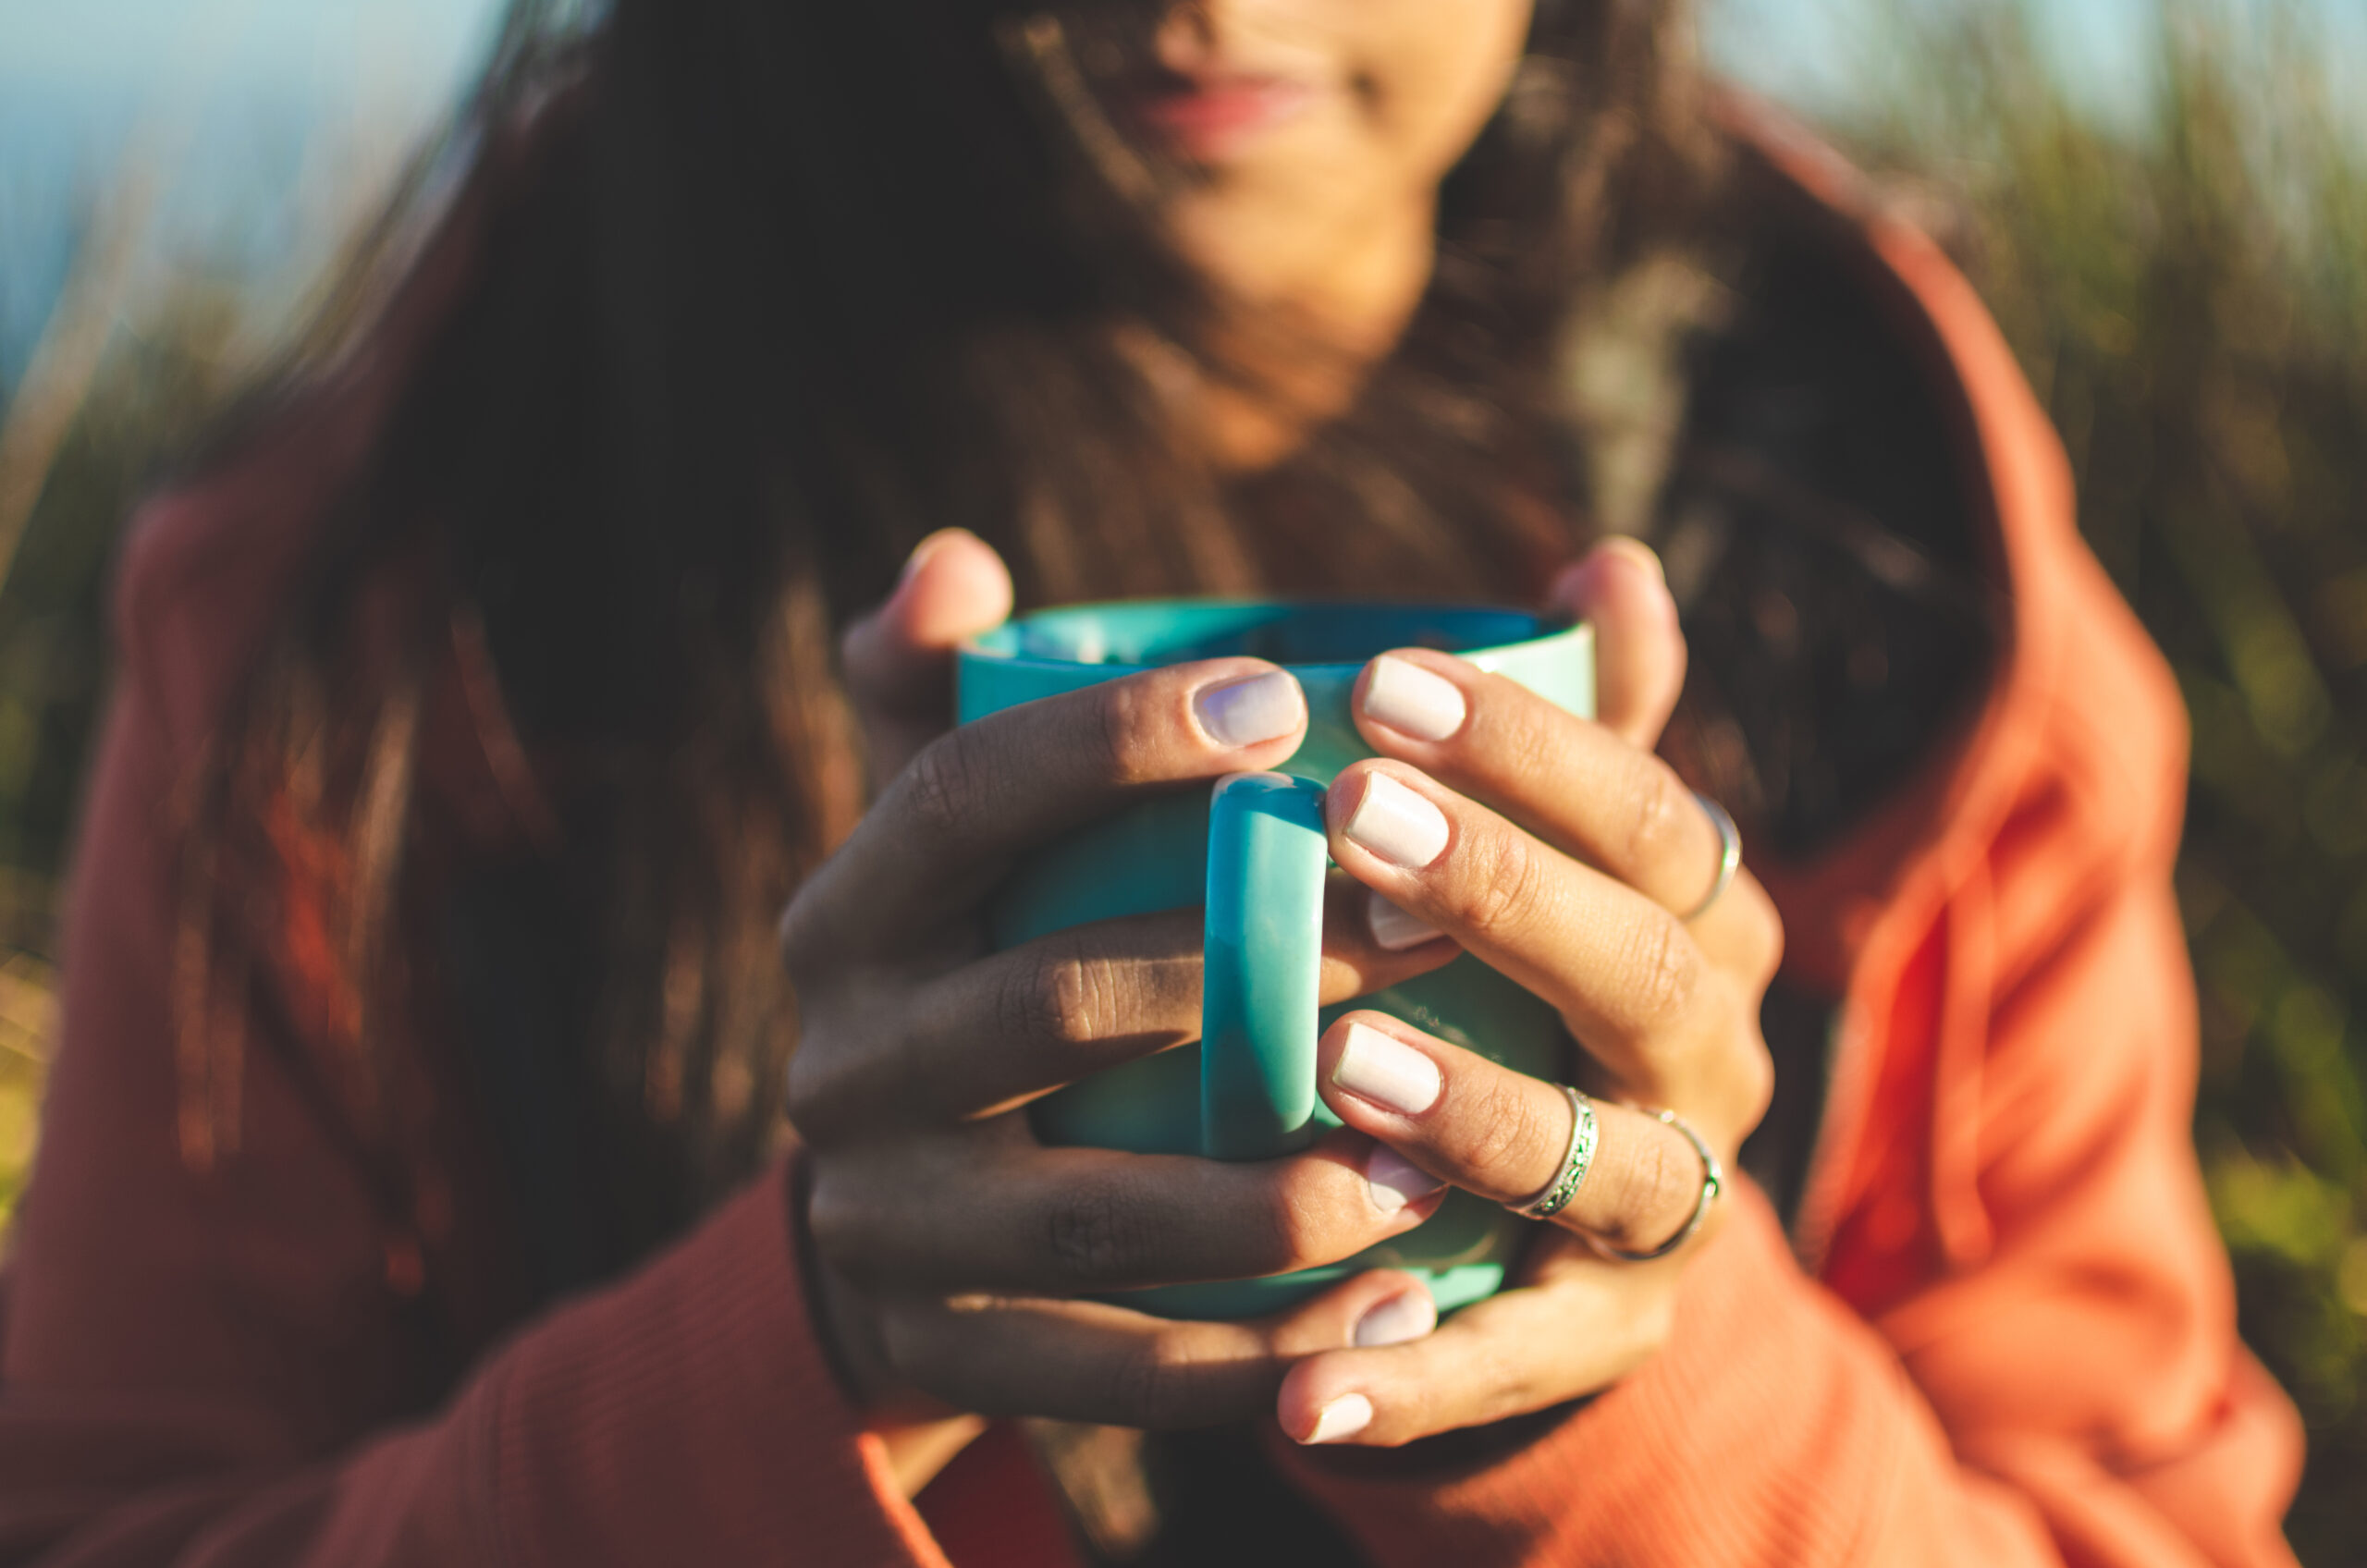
(1263, 948)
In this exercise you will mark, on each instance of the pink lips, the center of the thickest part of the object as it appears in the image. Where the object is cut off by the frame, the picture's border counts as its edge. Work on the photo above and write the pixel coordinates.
(1207, 118)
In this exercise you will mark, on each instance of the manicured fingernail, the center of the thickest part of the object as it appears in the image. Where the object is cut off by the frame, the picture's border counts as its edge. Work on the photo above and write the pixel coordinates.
(1387, 1072)
(1393, 928)
(1397, 1183)
(1399, 1320)
(1244, 713)
(1343, 1417)
(1412, 700)
(1397, 825)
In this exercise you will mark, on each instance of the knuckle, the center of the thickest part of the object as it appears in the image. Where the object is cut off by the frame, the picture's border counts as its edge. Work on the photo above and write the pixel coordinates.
(1095, 1236)
(812, 1094)
(945, 786)
(1663, 971)
(1649, 1191)
(1149, 1383)
(1658, 825)
(1293, 1227)
(834, 1081)
(1122, 747)
(1528, 734)
(1116, 733)
(1506, 1124)
(922, 1344)
(1501, 885)
(1757, 1083)
(1064, 997)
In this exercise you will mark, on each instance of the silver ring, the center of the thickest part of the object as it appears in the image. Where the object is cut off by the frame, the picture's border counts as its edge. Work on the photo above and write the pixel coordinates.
(1713, 1182)
(1576, 1162)
(1729, 854)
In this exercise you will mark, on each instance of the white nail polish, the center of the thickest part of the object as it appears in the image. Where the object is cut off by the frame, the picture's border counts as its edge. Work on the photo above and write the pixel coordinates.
(1399, 1320)
(1398, 825)
(1393, 928)
(1386, 1070)
(1396, 1182)
(1343, 1417)
(1264, 707)
(1412, 700)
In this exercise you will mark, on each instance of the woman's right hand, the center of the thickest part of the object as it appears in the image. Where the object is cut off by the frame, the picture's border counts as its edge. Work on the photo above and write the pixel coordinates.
(954, 1248)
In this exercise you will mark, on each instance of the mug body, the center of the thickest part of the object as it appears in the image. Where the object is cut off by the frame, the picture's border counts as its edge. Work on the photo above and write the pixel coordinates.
(1153, 857)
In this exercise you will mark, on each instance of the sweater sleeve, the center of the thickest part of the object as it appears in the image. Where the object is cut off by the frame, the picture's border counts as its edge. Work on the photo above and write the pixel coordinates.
(204, 1366)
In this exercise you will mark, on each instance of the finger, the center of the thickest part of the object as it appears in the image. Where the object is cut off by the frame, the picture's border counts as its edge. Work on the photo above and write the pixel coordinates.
(955, 821)
(1621, 969)
(1092, 1361)
(1010, 1027)
(1073, 1221)
(1587, 1326)
(898, 658)
(1505, 1135)
(1639, 649)
(1581, 786)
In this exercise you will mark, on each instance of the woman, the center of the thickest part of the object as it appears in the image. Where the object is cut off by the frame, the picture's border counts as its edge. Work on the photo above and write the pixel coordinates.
(413, 1187)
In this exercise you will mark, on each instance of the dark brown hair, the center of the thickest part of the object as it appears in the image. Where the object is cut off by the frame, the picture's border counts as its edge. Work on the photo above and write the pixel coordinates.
(766, 292)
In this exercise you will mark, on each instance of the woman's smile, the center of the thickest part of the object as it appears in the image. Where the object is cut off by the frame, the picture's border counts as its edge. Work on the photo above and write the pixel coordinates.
(1210, 117)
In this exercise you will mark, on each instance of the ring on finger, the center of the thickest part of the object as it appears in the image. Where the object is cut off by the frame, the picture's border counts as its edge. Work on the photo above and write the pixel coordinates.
(1576, 1162)
(1729, 854)
(1713, 1182)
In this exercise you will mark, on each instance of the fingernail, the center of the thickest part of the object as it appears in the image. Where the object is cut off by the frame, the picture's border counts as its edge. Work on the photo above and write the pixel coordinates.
(1387, 1072)
(1397, 825)
(1397, 1183)
(1393, 928)
(925, 548)
(1244, 713)
(1636, 551)
(1343, 1417)
(1412, 700)
(1399, 1320)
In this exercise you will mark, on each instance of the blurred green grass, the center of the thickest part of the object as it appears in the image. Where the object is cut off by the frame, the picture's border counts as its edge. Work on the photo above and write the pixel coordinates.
(2190, 297)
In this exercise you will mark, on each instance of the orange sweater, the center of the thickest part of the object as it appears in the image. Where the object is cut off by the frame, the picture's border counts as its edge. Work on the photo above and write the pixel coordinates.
(2004, 1334)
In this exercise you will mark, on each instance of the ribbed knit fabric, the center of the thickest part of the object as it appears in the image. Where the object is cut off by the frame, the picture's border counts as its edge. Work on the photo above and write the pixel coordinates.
(720, 1401)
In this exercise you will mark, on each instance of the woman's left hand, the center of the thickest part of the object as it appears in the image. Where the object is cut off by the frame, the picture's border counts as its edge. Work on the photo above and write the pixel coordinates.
(1567, 856)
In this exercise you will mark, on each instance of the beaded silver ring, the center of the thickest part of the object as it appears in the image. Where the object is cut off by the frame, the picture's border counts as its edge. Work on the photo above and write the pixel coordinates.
(1576, 1162)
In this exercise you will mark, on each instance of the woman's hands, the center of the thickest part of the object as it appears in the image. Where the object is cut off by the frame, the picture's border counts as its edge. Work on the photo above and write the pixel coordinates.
(1564, 854)
(951, 1246)
(951, 1243)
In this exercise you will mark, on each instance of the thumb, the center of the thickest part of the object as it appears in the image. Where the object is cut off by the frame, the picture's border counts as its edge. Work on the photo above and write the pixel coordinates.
(898, 658)
(1640, 652)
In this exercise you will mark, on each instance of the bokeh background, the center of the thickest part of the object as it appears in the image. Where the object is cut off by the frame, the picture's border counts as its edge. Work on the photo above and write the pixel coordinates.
(2164, 200)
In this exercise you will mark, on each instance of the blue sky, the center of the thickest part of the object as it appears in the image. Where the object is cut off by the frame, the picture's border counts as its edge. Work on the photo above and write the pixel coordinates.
(148, 44)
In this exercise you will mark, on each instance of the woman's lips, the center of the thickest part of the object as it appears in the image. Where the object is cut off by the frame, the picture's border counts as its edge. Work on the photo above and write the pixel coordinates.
(1207, 118)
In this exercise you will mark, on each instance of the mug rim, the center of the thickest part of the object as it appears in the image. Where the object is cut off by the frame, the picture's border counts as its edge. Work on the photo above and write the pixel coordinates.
(1548, 630)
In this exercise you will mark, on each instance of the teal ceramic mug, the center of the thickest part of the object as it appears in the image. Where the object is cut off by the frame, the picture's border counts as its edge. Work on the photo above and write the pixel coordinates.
(1254, 854)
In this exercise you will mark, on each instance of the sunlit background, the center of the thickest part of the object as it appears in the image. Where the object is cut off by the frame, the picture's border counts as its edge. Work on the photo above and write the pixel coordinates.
(2166, 200)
